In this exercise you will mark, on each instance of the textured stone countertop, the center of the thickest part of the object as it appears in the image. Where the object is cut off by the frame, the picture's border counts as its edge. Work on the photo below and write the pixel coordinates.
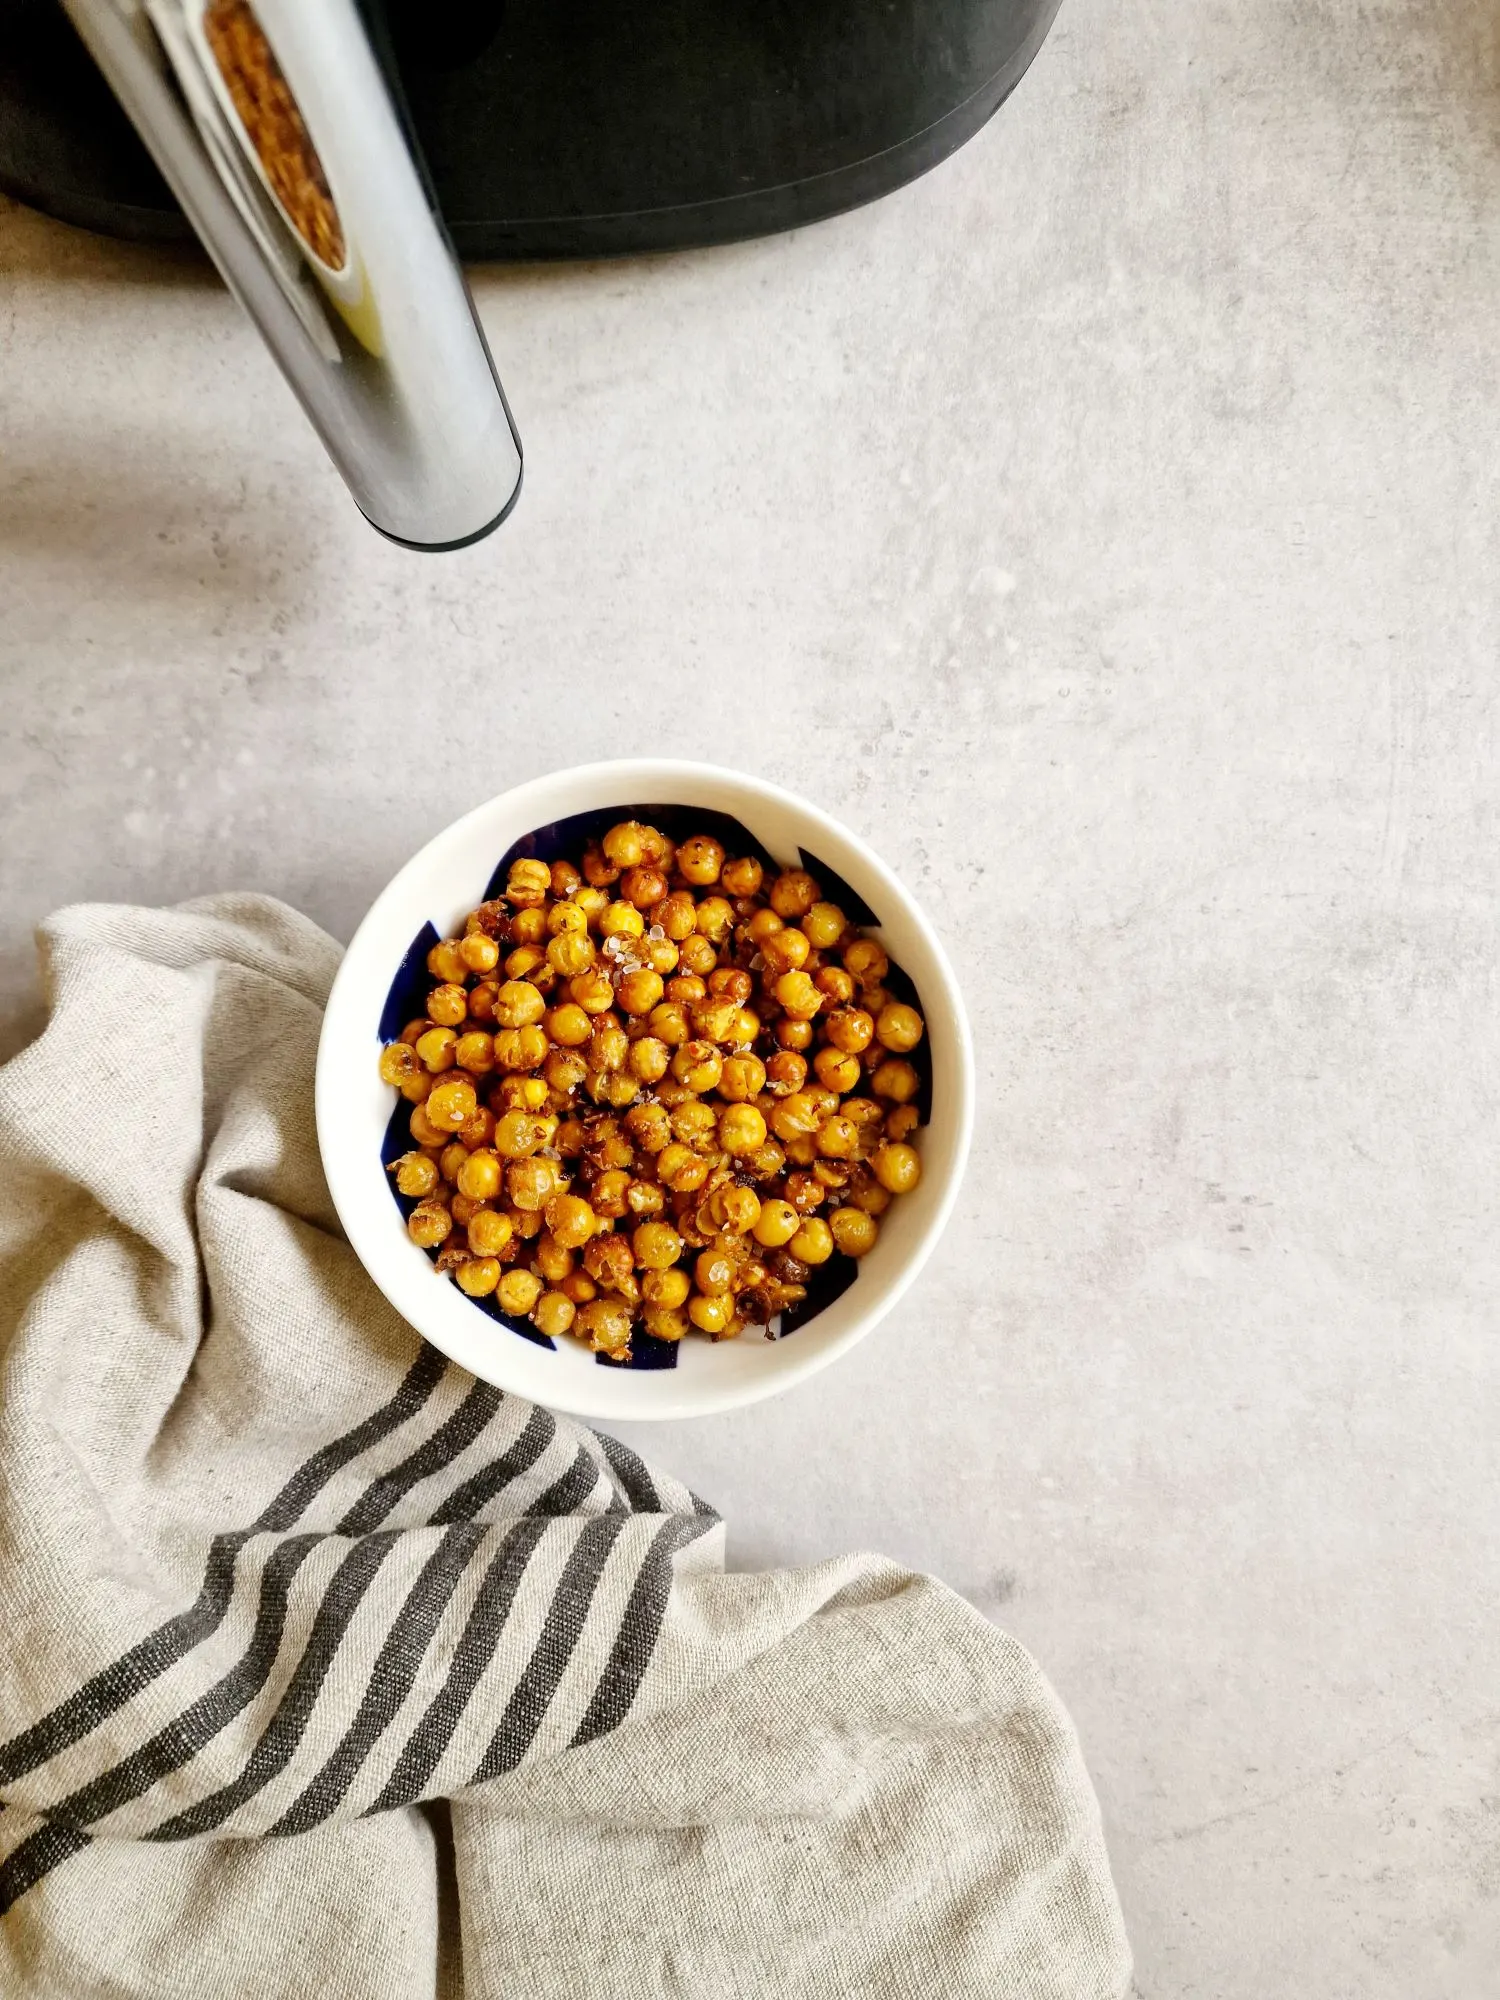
(1105, 527)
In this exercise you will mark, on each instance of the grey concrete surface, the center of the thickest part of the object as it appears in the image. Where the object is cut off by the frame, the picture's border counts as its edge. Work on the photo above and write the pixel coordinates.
(1106, 527)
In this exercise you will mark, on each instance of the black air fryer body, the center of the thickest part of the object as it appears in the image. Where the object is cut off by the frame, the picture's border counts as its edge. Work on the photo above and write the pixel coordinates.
(567, 128)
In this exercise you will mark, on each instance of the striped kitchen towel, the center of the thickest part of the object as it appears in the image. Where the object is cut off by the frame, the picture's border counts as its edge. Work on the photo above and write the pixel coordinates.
(326, 1669)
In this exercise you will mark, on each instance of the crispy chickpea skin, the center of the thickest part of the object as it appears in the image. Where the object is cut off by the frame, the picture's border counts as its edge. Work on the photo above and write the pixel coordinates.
(654, 1086)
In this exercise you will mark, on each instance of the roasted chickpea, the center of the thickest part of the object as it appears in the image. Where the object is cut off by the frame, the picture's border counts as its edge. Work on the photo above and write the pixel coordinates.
(479, 1176)
(478, 1276)
(678, 1167)
(528, 885)
(519, 1133)
(610, 1194)
(714, 1272)
(715, 919)
(553, 1314)
(530, 1183)
(428, 1224)
(786, 951)
(622, 919)
(417, 1089)
(899, 1027)
(564, 1070)
(649, 1127)
(422, 1128)
(696, 1124)
(450, 1102)
(436, 1049)
(777, 1223)
(764, 924)
(795, 1035)
(796, 1117)
(475, 1052)
(446, 963)
(897, 1081)
(766, 1162)
(678, 916)
(551, 1261)
(813, 1243)
(836, 1070)
(866, 962)
(608, 1045)
(593, 991)
(657, 1246)
(416, 1175)
(823, 925)
(490, 1232)
(571, 1221)
(649, 1058)
(700, 860)
(521, 1048)
(645, 887)
(518, 1291)
(567, 917)
(605, 1325)
(699, 1065)
(579, 1287)
(854, 1232)
(712, 1312)
(793, 894)
(742, 1128)
(838, 1138)
(870, 1196)
(669, 1023)
(850, 1029)
(599, 872)
(714, 1018)
(698, 956)
(734, 1208)
(610, 1262)
(662, 956)
(835, 984)
(571, 952)
(686, 990)
(645, 1199)
(901, 1121)
(565, 878)
(743, 1077)
(524, 961)
(805, 1192)
(568, 1025)
(518, 1004)
(798, 996)
(742, 877)
(624, 845)
(665, 1287)
(399, 1064)
(785, 1072)
(897, 1167)
(453, 1158)
(479, 953)
(665, 1322)
(527, 1222)
(593, 903)
(640, 991)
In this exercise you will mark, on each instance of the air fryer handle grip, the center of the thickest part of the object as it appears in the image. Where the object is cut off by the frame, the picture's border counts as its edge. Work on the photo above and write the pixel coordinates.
(275, 124)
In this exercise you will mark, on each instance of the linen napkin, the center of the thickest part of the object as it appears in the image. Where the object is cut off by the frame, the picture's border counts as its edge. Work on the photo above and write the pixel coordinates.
(328, 1669)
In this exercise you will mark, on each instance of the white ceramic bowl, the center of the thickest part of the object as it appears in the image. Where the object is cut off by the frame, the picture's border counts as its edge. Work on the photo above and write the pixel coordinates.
(354, 1108)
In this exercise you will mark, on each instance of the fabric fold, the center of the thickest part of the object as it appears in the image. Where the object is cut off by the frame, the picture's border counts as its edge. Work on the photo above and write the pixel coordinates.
(277, 1582)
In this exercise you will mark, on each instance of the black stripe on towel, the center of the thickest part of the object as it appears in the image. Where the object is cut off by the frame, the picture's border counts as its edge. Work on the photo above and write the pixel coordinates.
(279, 1739)
(554, 1649)
(391, 1678)
(109, 1690)
(472, 1654)
(640, 1627)
(37, 1856)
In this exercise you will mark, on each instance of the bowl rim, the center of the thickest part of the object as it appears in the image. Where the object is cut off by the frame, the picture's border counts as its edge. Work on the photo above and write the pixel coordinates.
(636, 778)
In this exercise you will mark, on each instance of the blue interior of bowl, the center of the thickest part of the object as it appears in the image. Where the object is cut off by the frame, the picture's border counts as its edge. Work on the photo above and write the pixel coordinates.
(565, 839)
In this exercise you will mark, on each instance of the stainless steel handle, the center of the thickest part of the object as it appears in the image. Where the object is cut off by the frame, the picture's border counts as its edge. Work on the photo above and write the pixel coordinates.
(274, 126)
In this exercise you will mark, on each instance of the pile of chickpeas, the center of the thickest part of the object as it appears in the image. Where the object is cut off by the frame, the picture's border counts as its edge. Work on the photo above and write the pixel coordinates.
(654, 1090)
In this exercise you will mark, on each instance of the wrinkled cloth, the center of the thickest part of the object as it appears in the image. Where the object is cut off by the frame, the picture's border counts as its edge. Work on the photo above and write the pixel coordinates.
(328, 1669)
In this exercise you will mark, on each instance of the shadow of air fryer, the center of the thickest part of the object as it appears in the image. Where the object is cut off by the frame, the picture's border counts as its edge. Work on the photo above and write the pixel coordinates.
(588, 128)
